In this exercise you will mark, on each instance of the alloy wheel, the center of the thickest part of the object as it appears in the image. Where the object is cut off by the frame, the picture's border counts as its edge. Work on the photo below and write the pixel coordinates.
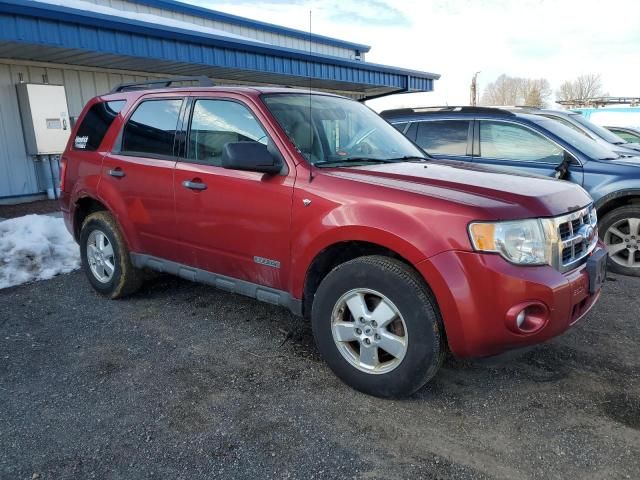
(622, 240)
(100, 256)
(369, 331)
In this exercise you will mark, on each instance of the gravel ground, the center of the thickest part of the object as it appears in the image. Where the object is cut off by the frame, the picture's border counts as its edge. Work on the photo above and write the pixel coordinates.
(185, 382)
(20, 209)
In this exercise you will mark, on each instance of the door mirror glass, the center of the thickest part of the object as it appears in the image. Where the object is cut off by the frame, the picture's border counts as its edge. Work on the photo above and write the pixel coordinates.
(251, 156)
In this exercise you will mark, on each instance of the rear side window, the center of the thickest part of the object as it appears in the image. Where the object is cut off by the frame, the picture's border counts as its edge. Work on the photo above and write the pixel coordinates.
(95, 124)
(151, 129)
(444, 137)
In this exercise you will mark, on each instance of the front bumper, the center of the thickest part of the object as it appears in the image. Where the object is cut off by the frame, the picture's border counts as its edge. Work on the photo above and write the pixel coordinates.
(478, 292)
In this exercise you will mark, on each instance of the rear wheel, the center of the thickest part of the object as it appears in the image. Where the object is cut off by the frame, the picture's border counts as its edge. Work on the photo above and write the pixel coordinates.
(377, 326)
(620, 231)
(105, 257)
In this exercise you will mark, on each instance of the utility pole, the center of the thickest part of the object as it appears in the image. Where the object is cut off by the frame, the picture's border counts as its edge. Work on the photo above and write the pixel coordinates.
(473, 98)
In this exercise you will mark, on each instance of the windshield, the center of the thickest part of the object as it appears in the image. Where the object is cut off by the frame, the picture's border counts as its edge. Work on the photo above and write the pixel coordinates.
(598, 130)
(334, 130)
(587, 146)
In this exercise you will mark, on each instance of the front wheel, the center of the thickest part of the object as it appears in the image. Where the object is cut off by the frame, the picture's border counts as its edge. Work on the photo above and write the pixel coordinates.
(620, 232)
(378, 327)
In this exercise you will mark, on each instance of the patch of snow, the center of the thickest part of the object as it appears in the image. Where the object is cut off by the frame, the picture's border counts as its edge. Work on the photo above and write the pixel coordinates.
(35, 247)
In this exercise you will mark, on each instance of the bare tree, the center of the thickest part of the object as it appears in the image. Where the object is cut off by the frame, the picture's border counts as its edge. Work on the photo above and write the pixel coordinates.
(506, 90)
(584, 87)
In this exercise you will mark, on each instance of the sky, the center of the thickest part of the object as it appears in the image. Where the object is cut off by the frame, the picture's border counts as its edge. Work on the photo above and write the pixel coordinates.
(557, 40)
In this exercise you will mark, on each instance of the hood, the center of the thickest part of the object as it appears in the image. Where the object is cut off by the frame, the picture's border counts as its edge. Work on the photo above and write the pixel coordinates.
(627, 161)
(499, 194)
(632, 145)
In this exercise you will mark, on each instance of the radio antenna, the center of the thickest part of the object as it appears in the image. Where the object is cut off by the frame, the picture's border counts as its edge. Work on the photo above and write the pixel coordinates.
(310, 117)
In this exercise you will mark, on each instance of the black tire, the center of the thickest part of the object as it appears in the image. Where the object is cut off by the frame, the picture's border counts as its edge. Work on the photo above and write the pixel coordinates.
(613, 218)
(399, 283)
(126, 279)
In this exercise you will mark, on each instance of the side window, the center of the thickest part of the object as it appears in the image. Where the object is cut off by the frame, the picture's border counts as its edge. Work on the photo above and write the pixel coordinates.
(152, 127)
(444, 137)
(217, 122)
(514, 142)
(95, 124)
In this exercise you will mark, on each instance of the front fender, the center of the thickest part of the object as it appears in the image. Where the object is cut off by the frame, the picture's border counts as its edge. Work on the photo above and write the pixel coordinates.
(403, 232)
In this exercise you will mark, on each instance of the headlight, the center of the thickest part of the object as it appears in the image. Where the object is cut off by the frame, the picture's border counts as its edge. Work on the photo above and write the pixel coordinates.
(524, 242)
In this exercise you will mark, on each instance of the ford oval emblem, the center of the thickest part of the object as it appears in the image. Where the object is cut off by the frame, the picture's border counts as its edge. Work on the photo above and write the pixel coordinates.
(589, 233)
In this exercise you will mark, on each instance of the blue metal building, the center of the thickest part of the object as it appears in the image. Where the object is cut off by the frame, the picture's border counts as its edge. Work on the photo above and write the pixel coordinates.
(90, 45)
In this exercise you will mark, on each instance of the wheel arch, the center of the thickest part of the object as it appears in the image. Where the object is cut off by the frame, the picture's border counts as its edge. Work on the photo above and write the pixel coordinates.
(337, 253)
(613, 200)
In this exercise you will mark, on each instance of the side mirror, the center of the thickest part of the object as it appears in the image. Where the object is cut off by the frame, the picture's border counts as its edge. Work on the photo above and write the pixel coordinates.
(250, 156)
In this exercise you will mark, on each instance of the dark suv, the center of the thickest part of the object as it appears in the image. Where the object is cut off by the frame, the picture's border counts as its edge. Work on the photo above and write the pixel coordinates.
(519, 140)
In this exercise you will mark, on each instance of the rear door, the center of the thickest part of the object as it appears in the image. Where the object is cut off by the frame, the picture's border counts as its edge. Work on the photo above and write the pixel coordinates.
(137, 176)
(446, 138)
(506, 144)
(231, 222)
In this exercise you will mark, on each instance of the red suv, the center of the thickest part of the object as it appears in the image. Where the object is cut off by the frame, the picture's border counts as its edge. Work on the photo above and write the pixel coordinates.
(313, 202)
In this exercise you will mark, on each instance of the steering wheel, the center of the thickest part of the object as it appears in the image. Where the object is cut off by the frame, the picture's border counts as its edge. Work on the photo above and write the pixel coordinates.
(357, 139)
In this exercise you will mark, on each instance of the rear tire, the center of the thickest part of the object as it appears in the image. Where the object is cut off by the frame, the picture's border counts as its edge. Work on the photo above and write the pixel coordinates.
(394, 342)
(105, 257)
(620, 232)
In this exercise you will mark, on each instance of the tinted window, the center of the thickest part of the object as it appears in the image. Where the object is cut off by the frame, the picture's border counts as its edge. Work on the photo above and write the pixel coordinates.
(444, 137)
(598, 130)
(514, 142)
(152, 127)
(95, 124)
(218, 122)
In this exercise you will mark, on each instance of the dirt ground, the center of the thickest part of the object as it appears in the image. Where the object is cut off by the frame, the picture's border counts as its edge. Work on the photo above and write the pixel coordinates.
(20, 209)
(182, 381)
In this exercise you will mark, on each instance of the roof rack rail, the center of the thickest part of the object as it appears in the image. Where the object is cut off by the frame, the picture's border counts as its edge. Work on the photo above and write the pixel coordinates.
(462, 109)
(162, 83)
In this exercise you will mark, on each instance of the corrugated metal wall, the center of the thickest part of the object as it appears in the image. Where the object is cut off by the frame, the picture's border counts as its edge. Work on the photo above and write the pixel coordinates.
(261, 35)
(17, 173)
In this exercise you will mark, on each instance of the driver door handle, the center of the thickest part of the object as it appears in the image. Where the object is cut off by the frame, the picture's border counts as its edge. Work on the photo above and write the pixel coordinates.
(191, 185)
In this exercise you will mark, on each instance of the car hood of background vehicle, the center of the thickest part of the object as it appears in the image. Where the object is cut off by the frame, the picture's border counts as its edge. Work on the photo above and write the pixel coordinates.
(626, 161)
(501, 195)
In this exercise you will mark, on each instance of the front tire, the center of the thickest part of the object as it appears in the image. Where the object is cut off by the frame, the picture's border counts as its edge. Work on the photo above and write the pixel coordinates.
(620, 232)
(105, 257)
(378, 327)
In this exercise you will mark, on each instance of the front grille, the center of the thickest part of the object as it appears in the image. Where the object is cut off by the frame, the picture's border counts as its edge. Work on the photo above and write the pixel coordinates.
(577, 237)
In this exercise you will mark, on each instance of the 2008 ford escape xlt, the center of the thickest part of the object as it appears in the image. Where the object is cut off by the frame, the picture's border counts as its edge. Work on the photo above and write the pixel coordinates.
(313, 202)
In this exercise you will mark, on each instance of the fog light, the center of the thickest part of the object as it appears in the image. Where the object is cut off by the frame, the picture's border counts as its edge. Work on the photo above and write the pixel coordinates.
(527, 318)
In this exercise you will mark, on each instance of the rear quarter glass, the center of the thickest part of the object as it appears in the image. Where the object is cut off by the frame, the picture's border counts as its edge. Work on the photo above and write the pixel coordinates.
(95, 125)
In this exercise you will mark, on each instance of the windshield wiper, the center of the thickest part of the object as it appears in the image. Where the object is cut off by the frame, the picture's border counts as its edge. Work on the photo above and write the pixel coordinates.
(409, 158)
(355, 160)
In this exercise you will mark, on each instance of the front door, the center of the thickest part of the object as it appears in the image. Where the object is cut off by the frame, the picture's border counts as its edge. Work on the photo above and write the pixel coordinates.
(505, 144)
(231, 222)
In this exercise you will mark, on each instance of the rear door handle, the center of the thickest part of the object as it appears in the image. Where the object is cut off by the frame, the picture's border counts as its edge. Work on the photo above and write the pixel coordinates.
(117, 172)
(194, 185)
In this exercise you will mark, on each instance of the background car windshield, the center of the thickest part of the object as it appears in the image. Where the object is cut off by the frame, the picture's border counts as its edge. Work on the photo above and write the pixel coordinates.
(329, 129)
(587, 146)
(598, 130)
